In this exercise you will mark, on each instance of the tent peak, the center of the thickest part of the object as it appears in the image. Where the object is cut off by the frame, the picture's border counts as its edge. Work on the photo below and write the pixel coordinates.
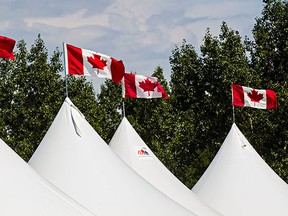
(238, 173)
(131, 148)
(67, 100)
(238, 136)
(125, 122)
(85, 168)
(234, 125)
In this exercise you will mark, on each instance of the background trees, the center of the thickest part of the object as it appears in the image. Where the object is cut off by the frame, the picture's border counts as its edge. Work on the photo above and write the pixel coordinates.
(186, 130)
(269, 58)
(33, 97)
(32, 91)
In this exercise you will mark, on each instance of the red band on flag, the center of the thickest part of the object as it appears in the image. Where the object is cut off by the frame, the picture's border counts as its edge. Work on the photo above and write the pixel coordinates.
(271, 99)
(75, 60)
(117, 70)
(238, 95)
(130, 87)
(162, 90)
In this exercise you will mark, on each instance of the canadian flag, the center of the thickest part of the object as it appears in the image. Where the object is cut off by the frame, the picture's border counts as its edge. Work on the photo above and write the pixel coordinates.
(139, 86)
(6, 47)
(89, 63)
(256, 98)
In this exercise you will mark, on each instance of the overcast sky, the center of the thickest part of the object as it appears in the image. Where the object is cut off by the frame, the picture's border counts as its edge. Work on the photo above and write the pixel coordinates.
(142, 33)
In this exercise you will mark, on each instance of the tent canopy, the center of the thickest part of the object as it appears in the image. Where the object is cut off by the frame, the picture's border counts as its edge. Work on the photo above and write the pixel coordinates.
(24, 192)
(239, 182)
(129, 146)
(77, 160)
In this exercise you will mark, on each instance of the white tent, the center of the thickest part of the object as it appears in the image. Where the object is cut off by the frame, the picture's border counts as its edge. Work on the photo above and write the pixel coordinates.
(23, 192)
(129, 146)
(76, 159)
(238, 182)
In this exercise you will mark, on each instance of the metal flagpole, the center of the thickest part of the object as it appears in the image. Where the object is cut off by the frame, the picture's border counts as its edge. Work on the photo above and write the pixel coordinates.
(123, 98)
(123, 108)
(65, 69)
(232, 103)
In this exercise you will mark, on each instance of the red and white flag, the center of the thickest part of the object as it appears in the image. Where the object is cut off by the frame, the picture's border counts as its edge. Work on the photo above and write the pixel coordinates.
(138, 86)
(89, 63)
(256, 98)
(6, 48)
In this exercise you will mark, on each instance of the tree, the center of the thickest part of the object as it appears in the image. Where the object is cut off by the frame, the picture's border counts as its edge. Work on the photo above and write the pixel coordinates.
(30, 106)
(110, 102)
(201, 97)
(186, 86)
(185, 131)
(150, 117)
(142, 113)
(224, 62)
(83, 96)
(6, 89)
(34, 92)
(187, 90)
(269, 53)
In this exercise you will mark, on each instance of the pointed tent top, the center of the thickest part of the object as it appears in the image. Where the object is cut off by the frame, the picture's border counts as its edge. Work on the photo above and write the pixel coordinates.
(77, 160)
(70, 103)
(24, 192)
(124, 121)
(129, 146)
(239, 182)
(67, 100)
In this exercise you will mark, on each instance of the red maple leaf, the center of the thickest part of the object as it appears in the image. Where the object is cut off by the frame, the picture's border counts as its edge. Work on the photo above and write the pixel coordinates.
(255, 96)
(96, 62)
(147, 85)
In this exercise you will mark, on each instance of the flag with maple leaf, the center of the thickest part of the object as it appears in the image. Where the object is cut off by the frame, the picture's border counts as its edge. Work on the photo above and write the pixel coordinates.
(256, 98)
(139, 86)
(89, 63)
(6, 47)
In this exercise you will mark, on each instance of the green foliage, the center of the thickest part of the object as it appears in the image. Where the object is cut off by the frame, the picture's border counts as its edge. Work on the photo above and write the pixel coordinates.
(83, 96)
(110, 102)
(151, 116)
(186, 130)
(33, 92)
(186, 72)
(28, 103)
(269, 58)
(200, 89)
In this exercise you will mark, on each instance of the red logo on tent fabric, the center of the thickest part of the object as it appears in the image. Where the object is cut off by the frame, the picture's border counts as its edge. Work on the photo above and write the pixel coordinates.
(143, 152)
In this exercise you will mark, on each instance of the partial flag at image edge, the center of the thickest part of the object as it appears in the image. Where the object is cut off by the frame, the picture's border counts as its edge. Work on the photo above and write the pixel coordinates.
(85, 62)
(255, 98)
(6, 47)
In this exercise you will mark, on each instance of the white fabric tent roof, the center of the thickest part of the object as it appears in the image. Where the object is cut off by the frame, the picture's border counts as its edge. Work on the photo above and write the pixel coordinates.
(238, 182)
(129, 146)
(77, 160)
(24, 192)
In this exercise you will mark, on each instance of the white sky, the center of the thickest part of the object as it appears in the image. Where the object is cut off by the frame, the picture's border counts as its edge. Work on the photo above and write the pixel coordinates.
(142, 33)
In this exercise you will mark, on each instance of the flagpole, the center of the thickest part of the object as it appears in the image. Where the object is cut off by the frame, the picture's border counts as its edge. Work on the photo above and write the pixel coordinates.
(123, 98)
(233, 104)
(123, 108)
(65, 71)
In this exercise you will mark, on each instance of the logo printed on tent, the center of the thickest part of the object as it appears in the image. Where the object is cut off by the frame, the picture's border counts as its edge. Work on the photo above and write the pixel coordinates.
(142, 152)
(126, 143)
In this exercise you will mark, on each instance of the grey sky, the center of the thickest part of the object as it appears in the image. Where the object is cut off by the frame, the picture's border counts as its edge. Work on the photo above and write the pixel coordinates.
(141, 33)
